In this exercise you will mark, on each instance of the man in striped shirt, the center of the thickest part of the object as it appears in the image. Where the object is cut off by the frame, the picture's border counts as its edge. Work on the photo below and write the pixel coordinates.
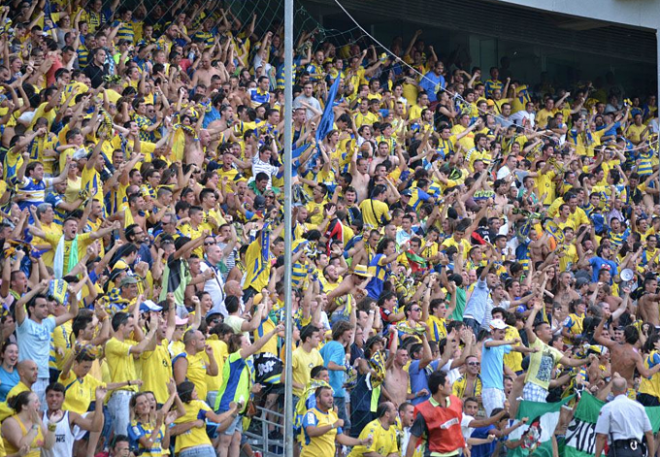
(31, 189)
(261, 164)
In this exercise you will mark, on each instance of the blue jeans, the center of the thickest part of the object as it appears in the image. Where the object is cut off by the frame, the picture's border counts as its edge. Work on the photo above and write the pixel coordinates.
(340, 403)
(119, 409)
(473, 324)
(198, 451)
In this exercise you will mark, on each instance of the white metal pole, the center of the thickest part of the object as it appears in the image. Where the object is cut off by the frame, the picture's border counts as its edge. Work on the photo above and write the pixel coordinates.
(288, 241)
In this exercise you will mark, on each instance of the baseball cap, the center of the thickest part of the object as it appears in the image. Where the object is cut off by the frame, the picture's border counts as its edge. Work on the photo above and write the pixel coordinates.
(149, 305)
(180, 321)
(212, 314)
(497, 324)
(128, 280)
(259, 202)
(80, 154)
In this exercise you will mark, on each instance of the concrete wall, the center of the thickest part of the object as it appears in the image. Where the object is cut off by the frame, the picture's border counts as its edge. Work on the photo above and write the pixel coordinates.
(635, 13)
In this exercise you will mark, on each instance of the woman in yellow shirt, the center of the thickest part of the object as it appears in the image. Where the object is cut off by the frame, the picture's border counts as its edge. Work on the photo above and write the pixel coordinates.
(25, 429)
(191, 427)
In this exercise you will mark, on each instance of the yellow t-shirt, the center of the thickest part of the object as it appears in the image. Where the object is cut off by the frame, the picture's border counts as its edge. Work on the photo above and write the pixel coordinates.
(80, 393)
(542, 117)
(196, 371)
(264, 327)
(317, 218)
(220, 353)
(546, 185)
(41, 112)
(84, 240)
(60, 339)
(120, 362)
(375, 212)
(437, 328)
(323, 445)
(91, 180)
(302, 363)
(193, 234)
(513, 359)
(196, 409)
(5, 410)
(258, 271)
(156, 368)
(384, 440)
(55, 230)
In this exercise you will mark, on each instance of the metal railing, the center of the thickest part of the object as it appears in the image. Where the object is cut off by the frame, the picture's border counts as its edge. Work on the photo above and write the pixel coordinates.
(266, 432)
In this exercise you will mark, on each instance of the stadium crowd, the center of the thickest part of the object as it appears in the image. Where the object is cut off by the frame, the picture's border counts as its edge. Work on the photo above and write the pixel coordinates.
(461, 239)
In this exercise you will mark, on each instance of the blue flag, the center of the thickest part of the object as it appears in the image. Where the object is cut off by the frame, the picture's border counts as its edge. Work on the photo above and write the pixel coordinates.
(328, 118)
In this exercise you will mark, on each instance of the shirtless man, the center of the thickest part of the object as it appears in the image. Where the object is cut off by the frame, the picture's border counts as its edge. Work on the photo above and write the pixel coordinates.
(538, 247)
(359, 169)
(648, 303)
(205, 71)
(624, 357)
(395, 386)
(382, 154)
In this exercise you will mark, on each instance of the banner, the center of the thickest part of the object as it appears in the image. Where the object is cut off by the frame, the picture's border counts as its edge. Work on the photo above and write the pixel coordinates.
(537, 435)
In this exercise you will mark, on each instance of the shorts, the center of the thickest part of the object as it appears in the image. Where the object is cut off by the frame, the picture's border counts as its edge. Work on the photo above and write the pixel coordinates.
(81, 434)
(491, 399)
(648, 400)
(39, 388)
(534, 392)
(235, 426)
(198, 451)
(211, 397)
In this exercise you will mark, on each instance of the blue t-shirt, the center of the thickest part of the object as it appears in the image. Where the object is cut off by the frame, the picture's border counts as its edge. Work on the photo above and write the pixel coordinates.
(7, 382)
(432, 83)
(597, 263)
(334, 352)
(483, 450)
(419, 379)
(492, 366)
(34, 343)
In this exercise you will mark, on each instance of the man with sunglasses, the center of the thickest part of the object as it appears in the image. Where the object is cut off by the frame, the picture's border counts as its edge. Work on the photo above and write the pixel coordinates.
(215, 284)
(469, 385)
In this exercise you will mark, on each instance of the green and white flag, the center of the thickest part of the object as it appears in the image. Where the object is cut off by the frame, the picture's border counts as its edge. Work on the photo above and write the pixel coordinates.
(581, 433)
(537, 435)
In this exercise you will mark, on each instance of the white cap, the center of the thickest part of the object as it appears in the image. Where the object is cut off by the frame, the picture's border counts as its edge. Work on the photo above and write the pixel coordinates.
(497, 324)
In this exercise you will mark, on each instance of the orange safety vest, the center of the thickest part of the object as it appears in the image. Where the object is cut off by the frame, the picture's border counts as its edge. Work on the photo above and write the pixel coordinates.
(443, 424)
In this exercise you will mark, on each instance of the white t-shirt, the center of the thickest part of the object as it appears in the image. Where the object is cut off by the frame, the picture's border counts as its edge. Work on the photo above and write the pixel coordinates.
(216, 288)
(453, 374)
(465, 427)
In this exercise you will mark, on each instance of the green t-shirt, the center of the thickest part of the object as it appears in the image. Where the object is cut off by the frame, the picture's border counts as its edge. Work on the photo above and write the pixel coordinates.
(457, 315)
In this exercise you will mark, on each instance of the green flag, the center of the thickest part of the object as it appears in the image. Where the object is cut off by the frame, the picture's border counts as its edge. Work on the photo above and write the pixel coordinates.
(581, 433)
(536, 436)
